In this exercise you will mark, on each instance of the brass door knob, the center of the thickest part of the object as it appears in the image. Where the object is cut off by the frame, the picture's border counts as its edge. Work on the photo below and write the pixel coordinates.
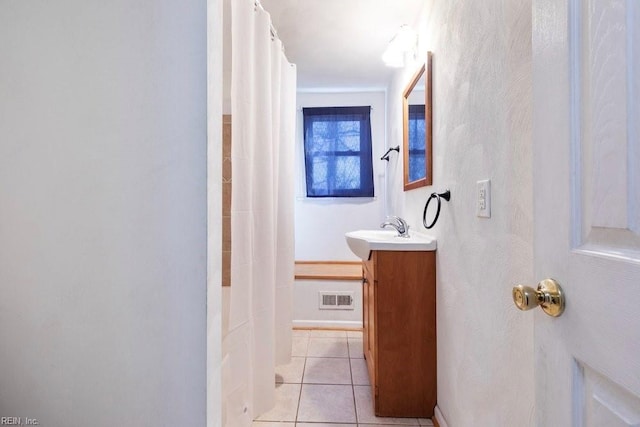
(548, 296)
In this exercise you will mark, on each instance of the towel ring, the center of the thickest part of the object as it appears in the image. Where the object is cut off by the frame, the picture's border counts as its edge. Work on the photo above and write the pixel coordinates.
(446, 195)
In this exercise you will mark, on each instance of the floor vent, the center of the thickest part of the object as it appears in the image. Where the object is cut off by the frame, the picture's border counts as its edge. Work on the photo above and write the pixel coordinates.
(335, 301)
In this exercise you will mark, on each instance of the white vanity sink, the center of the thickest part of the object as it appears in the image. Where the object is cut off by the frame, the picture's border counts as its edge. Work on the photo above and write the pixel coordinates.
(362, 242)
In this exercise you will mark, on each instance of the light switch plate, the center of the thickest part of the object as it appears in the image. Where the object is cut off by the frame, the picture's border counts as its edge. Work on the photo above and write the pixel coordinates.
(483, 207)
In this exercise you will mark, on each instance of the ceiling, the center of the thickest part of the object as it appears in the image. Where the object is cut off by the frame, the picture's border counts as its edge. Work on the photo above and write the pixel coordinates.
(338, 44)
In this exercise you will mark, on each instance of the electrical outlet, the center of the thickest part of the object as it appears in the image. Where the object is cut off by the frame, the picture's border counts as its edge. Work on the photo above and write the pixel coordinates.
(483, 209)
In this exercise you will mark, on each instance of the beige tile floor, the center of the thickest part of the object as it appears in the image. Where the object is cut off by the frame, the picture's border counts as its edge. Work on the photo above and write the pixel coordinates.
(326, 385)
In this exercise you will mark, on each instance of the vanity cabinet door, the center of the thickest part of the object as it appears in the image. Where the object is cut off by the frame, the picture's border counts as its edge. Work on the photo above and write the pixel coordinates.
(365, 313)
(369, 321)
(403, 325)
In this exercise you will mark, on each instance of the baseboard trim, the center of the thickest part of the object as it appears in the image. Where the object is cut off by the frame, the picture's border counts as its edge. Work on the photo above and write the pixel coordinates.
(438, 418)
(327, 324)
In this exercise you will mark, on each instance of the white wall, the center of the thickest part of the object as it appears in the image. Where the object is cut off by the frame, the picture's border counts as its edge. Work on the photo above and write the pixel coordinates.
(482, 130)
(306, 311)
(322, 223)
(226, 56)
(214, 222)
(103, 212)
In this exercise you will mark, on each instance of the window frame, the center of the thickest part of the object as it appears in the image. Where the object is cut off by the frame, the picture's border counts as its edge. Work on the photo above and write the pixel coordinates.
(417, 112)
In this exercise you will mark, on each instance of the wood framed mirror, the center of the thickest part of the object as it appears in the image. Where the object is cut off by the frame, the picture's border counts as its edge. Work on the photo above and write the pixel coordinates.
(417, 129)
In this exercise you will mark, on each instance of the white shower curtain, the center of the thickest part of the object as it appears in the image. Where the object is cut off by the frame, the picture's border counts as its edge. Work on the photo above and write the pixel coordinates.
(262, 245)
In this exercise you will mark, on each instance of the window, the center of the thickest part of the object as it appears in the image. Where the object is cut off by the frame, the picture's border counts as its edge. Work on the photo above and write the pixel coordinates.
(417, 138)
(337, 152)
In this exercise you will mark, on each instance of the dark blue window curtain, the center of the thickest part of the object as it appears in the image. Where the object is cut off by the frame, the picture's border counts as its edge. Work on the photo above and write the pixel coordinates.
(337, 152)
(417, 142)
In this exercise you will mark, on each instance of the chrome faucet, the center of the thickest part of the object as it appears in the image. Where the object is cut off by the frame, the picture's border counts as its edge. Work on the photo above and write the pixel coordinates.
(398, 223)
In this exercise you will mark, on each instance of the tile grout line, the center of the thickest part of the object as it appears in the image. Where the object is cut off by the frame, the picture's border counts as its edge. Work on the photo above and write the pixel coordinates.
(353, 390)
(304, 367)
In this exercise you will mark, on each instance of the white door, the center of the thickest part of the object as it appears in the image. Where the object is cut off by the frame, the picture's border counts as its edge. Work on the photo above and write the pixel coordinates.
(586, 136)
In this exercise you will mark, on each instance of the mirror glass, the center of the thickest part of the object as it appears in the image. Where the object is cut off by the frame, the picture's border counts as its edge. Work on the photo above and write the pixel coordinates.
(417, 125)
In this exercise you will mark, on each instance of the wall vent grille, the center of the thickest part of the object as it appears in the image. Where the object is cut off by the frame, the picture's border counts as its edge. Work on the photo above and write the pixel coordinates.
(329, 300)
(335, 301)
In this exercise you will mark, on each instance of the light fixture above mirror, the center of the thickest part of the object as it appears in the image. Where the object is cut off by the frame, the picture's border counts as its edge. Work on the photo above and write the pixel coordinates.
(402, 45)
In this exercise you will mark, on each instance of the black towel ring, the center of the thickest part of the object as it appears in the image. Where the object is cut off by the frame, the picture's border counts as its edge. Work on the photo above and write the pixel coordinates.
(446, 195)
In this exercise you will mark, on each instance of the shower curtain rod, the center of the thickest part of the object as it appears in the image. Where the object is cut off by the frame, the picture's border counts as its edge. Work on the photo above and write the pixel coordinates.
(274, 33)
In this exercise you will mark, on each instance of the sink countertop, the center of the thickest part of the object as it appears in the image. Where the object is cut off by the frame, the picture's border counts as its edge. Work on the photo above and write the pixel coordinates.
(362, 242)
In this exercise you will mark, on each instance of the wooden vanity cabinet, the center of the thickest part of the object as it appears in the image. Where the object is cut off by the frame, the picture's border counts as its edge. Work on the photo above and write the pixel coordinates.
(399, 337)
